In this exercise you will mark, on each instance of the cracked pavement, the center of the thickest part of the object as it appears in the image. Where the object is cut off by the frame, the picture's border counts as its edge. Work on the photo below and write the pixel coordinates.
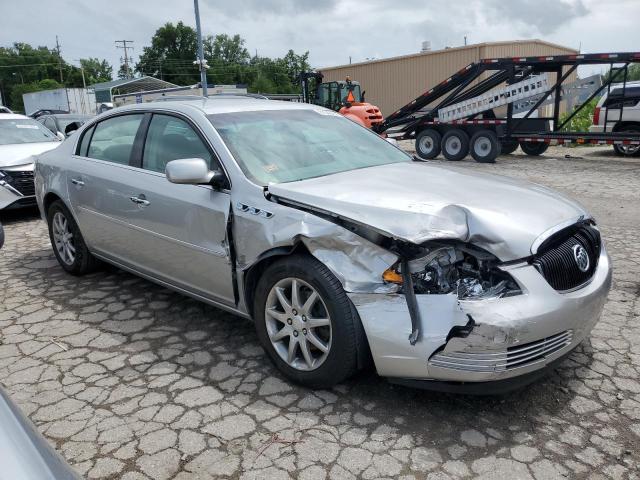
(129, 380)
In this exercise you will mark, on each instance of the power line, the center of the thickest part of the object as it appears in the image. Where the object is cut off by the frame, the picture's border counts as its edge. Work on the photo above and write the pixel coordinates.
(26, 65)
(123, 45)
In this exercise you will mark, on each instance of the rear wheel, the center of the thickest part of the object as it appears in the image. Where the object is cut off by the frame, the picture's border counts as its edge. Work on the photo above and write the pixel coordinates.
(68, 245)
(306, 322)
(509, 147)
(534, 148)
(485, 146)
(428, 144)
(628, 150)
(455, 145)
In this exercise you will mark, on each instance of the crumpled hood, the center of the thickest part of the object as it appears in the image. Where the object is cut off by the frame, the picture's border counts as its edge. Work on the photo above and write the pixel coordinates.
(20, 153)
(417, 202)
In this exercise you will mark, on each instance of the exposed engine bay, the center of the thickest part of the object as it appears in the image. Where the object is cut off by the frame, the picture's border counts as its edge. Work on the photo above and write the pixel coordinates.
(470, 273)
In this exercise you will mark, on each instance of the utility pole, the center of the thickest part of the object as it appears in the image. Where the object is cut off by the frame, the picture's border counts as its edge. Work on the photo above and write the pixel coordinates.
(59, 58)
(84, 84)
(123, 44)
(201, 62)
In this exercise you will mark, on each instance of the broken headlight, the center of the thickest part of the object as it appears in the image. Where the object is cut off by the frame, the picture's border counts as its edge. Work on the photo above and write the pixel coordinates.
(466, 271)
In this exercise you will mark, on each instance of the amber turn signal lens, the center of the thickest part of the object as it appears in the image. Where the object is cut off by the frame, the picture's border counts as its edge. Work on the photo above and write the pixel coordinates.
(391, 276)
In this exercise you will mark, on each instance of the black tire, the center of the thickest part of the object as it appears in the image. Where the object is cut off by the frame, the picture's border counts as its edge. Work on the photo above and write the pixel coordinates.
(83, 262)
(455, 145)
(342, 358)
(428, 144)
(508, 147)
(630, 150)
(484, 146)
(534, 148)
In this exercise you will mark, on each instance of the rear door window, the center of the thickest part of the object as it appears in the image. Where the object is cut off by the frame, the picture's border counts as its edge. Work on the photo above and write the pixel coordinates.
(113, 138)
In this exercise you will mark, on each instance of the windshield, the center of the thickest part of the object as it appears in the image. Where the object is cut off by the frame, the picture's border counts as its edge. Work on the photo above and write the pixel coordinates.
(24, 130)
(288, 145)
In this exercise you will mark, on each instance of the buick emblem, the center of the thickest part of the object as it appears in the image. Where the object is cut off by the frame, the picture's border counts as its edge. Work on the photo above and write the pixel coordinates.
(581, 257)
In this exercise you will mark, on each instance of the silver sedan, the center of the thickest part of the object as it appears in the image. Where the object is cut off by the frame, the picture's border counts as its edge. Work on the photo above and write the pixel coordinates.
(338, 245)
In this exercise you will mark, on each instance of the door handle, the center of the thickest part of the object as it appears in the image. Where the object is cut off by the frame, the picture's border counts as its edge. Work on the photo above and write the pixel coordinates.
(140, 200)
(77, 182)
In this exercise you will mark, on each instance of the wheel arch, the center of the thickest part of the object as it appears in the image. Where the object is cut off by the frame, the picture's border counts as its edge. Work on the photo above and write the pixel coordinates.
(625, 124)
(48, 199)
(253, 274)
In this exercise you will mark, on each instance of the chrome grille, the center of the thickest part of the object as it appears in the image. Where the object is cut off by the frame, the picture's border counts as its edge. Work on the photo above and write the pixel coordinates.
(556, 262)
(21, 180)
(496, 361)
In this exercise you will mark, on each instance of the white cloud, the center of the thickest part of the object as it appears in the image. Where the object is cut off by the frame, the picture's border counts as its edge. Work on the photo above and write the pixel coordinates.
(332, 30)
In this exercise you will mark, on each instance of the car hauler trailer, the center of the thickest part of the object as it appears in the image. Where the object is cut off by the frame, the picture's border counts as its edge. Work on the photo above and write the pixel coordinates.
(458, 116)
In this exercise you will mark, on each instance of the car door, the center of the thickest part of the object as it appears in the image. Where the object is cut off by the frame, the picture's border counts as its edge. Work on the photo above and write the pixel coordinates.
(179, 231)
(97, 178)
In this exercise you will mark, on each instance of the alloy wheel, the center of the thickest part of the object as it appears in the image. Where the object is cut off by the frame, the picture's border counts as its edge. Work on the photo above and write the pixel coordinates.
(298, 324)
(63, 238)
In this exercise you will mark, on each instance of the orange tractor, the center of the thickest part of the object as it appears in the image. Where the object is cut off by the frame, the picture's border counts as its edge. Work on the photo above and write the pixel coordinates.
(345, 97)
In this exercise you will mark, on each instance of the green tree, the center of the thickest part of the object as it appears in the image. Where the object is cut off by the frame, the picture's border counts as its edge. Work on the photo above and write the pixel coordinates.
(23, 64)
(582, 120)
(225, 50)
(174, 49)
(296, 64)
(633, 74)
(96, 70)
(171, 55)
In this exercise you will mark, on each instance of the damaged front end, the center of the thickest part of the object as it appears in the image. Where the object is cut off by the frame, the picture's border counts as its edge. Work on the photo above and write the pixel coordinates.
(467, 272)
(448, 309)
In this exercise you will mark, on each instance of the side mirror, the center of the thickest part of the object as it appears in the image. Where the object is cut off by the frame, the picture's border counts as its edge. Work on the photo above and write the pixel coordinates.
(193, 171)
(60, 136)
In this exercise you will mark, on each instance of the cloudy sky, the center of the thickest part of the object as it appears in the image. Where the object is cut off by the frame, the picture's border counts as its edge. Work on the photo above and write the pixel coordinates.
(332, 30)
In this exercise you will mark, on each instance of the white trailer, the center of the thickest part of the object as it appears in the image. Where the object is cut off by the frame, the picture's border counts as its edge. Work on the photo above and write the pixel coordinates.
(72, 100)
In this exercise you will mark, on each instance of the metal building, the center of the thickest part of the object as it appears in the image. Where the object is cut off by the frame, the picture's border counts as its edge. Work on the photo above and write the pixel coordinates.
(392, 82)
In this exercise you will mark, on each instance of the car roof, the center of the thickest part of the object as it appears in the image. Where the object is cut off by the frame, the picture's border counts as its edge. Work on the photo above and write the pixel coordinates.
(69, 115)
(14, 116)
(222, 105)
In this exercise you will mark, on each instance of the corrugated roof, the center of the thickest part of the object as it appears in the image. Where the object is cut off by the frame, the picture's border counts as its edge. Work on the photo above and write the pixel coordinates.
(451, 49)
(127, 85)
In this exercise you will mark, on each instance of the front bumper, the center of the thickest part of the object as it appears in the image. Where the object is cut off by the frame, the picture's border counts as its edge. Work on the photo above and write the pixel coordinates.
(483, 340)
(10, 199)
(18, 194)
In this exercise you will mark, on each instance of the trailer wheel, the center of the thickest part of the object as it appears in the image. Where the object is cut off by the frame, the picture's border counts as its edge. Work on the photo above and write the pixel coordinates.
(485, 146)
(455, 145)
(534, 148)
(428, 144)
(508, 147)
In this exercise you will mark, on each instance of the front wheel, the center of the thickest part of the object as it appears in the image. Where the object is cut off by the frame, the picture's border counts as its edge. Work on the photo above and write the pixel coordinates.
(306, 323)
(67, 242)
(534, 148)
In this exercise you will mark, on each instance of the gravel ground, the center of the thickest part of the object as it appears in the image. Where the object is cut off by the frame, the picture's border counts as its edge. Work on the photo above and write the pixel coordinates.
(130, 380)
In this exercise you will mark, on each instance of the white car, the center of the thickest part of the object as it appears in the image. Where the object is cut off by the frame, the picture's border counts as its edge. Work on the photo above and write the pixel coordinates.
(627, 120)
(20, 138)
